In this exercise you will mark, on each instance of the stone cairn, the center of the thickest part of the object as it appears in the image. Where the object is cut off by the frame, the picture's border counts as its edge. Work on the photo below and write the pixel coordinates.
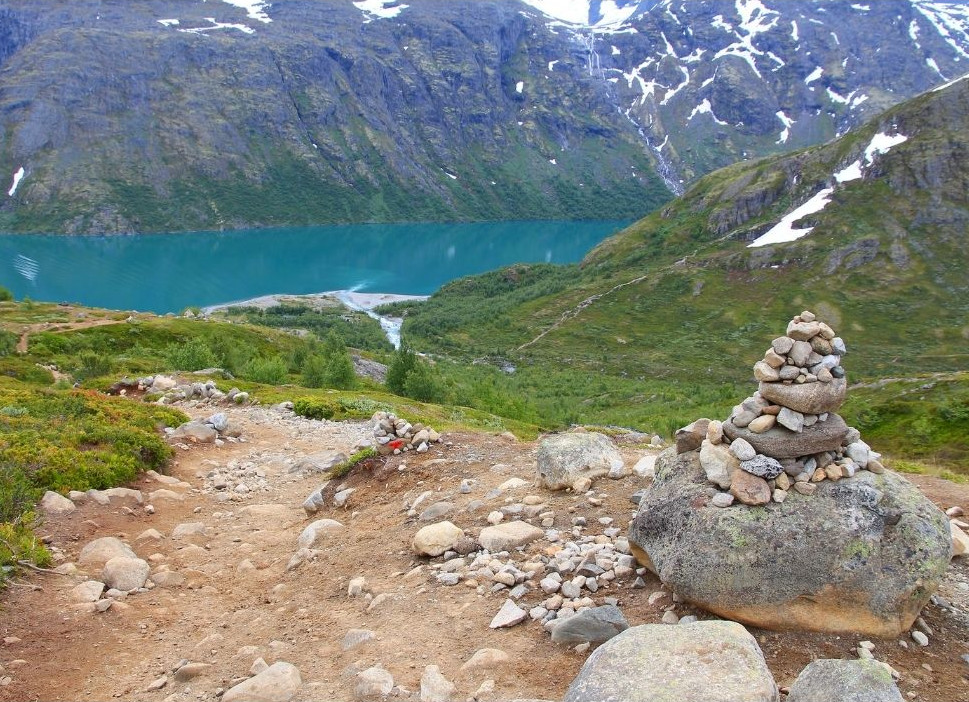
(787, 436)
(396, 435)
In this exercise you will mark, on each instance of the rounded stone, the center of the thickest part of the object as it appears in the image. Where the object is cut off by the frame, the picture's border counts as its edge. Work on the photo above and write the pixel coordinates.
(861, 555)
(125, 574)
(564, 458)
(435, 539)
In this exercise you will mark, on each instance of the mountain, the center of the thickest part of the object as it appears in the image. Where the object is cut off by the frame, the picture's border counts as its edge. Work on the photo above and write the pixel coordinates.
(171, 115)
(869, 232)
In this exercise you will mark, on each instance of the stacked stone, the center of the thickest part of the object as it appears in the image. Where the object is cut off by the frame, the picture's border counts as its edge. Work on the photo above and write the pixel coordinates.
(396, 435)
(787, 435)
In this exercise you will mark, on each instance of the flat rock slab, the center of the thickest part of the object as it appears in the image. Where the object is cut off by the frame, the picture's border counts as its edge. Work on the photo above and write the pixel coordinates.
(781, 442)
(845, 681)
(509, 615)
(278, 683)
(709, 661)
(807, 398)
(595, 625)
(504, 537)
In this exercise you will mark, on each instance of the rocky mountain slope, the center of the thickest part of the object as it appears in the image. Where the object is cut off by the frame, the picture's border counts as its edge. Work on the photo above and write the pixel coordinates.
(164, 115)
(869, 229)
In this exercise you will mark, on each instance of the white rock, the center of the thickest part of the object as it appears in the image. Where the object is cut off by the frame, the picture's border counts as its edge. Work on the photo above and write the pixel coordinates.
(434, 686)
(435, 539)
(509, 615)
(373, 682)
(89, 591)
(100, 551)
(125, 573)
(54, 504)
(278, 683)
(486, 659)
(504, 537)
(645, 467)
(316, 531)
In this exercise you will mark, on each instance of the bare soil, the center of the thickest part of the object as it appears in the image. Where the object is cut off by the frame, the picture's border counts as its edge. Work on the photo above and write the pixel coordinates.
(239, 602)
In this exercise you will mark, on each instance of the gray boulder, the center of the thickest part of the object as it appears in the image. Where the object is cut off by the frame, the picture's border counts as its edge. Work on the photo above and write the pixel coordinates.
(54, 504)
(862, 554)
(125, 574)
(781, 442)
(564, 458)
(594, 625)
(845, 681)
(713, 661)
(100, 551)
(196, 432)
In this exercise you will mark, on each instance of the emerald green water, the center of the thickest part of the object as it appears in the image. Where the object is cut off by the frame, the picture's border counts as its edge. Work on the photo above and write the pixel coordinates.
(168, 272)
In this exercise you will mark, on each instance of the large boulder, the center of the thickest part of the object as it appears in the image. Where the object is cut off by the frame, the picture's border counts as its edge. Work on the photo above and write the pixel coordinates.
(845, 681)
(709, 661)
(435, 539)
(125, 574)
(317, 531)
(564, 458)
(195, 432)
(54, 504)
(595, 625)
(781, 442)
(861, 555)
(808, 398)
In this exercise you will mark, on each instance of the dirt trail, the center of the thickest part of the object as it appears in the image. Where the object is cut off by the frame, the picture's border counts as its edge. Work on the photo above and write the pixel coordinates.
(238, 602)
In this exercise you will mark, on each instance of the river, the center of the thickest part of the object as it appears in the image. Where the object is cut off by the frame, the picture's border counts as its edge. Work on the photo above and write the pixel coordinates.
(169, 272)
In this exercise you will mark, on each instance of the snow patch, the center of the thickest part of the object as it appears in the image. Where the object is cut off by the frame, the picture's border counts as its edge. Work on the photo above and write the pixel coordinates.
(861, 8)
(814, 75)
(784, 230)
(616, 51)
(379, 9)
(245, 29)
(788, 123)
(255, 9)
(951, 21)
(553, 162)
(852, 172)
(704, 108)
(551, 64)
(935, 67)
(519, 86)
(794, 34)
(881, 143)
(586, 13)
(449, 175)
(168, 22)
(17, 177)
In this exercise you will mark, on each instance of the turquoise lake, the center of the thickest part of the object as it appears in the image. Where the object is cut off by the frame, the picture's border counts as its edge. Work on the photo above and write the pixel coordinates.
(169, 272)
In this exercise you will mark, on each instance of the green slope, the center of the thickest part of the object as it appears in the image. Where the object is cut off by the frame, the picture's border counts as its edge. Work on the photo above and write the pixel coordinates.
(670, 314)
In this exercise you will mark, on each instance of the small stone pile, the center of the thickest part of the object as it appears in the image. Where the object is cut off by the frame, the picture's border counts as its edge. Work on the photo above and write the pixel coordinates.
(396, 435)
(787, 436)
(169, 389)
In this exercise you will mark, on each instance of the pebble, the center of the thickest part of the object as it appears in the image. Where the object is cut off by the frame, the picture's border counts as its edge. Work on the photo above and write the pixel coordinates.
(920, 638)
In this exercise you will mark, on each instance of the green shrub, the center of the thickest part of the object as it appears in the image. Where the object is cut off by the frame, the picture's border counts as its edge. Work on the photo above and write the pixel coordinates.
(314, 372)
(5, 294)
(269, 370)
(339, 365)
(91, 364)
(423, 384)
(316, 407)
(8, 342)
(191, 355)
(400, 367)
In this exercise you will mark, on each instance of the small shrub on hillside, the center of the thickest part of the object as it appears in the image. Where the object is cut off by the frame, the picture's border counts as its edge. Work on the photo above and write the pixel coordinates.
(5, 294)
(339, 365)
(270, 371)
(316, 407)
(91, 364)
(400, 367)
(8, 342)
(191, 355)
(314, 372)
(423, 384)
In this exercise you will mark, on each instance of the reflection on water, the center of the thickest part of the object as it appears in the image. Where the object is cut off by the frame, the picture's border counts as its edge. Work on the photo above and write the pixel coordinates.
(168, 272)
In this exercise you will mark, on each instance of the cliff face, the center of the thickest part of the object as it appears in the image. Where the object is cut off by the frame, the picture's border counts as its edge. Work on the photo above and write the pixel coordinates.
(124, 119)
